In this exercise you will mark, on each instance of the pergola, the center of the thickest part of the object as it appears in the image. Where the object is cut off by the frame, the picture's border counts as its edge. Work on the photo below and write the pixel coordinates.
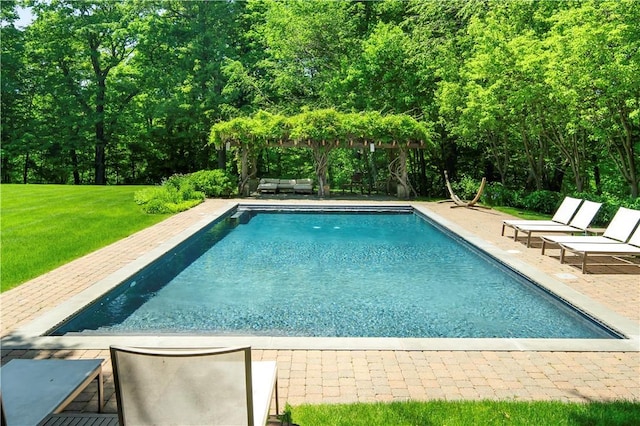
(321, 131)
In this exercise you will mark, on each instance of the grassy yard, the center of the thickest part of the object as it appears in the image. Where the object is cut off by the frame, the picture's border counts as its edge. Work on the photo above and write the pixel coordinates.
(45, 226)
(463, 413)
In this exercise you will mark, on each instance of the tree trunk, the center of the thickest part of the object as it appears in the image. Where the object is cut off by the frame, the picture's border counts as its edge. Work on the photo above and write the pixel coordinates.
(101, 137)
(222, 158)
(596, 176)
(25, 170)
(74, 163)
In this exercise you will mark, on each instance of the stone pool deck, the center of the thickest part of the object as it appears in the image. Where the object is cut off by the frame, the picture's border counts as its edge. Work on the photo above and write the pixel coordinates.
(342, 376)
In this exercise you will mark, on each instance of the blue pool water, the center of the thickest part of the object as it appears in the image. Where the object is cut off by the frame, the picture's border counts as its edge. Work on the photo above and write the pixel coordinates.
(336, 274)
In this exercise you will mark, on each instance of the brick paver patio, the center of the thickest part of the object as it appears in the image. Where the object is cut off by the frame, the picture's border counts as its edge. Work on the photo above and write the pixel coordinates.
(328, 376)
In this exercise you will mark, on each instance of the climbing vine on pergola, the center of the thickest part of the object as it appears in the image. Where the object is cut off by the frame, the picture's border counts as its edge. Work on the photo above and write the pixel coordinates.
(321, 131)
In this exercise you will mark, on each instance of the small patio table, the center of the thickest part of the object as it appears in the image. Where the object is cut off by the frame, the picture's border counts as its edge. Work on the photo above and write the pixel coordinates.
(34, 388)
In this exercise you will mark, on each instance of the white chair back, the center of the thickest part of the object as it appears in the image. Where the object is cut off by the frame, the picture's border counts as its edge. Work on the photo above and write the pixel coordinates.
(567, 210)
(635, 238)
(622, 224)
(183, 387)
(585, 215)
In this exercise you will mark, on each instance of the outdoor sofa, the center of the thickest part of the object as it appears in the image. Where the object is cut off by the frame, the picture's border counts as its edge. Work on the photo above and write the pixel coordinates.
(296, 186)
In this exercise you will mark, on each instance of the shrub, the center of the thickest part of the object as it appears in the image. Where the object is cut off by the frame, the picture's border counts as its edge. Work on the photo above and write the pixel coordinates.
(466, 188)
(182, 192)
(214, 183)
(542, 201)
(176, 194)
(496, 194)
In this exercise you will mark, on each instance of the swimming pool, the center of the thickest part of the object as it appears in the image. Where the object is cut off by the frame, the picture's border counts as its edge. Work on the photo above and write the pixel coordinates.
(332, 273)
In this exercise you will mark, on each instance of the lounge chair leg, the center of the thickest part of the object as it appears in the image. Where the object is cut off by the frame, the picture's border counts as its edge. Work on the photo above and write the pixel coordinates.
(277, 396)
(544, 243)
(529, 240)
(502, 233)
(100, 392)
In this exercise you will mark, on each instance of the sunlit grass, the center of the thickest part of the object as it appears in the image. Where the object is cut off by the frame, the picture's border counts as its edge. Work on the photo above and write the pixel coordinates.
(522, 214)
(464, 413)
(45, 226)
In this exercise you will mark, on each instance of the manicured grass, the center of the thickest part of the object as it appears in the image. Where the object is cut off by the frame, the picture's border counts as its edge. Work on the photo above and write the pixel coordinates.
(465, 413)
(522, 214)
(45, 226)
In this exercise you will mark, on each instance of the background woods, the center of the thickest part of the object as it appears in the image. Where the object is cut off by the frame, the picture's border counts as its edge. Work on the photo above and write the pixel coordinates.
(534, 95)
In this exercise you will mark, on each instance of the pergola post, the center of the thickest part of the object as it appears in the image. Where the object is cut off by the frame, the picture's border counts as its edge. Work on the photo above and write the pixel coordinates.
(403, 178)
(244, 171)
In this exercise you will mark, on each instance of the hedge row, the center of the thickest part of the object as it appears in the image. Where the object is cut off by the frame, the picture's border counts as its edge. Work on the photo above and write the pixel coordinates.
(495, 194)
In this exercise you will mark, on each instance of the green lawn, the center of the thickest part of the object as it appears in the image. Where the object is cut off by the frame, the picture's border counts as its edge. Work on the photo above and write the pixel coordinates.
(45, 226)
(464, 413)
(522, 214)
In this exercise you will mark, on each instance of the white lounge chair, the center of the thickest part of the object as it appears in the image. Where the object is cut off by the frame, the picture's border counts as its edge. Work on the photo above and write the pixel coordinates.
(192, 387)
(630, 248)
(579, 224)
(562, 216)
(618, 231)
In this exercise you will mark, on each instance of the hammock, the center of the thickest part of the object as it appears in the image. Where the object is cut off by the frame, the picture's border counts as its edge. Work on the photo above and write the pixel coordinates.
(461, 203)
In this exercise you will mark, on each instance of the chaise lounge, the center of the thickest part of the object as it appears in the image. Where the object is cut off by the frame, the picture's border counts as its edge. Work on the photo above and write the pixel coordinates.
(618, 231)
(579, 224)
(630, 248)
(562, 216)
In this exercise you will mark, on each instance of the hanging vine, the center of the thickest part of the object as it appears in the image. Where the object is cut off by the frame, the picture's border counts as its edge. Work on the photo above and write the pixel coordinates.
(321, 131)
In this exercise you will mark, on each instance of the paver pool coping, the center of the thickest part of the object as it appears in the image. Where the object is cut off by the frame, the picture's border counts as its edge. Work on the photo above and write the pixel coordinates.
(31, 335)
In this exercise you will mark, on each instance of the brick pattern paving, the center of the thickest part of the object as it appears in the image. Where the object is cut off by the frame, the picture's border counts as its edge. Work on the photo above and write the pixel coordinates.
(328, 376)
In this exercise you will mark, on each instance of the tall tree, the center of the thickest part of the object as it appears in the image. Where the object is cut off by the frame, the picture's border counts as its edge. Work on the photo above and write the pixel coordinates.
(89, 44)
(183, 52)
(596, 58)
(307, 43)
(14, 100)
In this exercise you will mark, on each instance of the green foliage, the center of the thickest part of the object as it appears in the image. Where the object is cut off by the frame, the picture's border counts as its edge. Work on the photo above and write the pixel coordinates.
(536, 95)
(318, 126)
(214, 183)
(497, 194)
(176, 194)
(466, 188)
(168, 198)
(542, 201)
(286, 418)
(46, 226)
(182, 192)
(461, 413)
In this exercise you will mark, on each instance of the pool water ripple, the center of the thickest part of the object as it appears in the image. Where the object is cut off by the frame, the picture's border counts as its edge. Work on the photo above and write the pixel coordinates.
(342, 275)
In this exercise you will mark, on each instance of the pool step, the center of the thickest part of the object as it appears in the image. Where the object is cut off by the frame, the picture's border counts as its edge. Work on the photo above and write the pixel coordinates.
(241, 217)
